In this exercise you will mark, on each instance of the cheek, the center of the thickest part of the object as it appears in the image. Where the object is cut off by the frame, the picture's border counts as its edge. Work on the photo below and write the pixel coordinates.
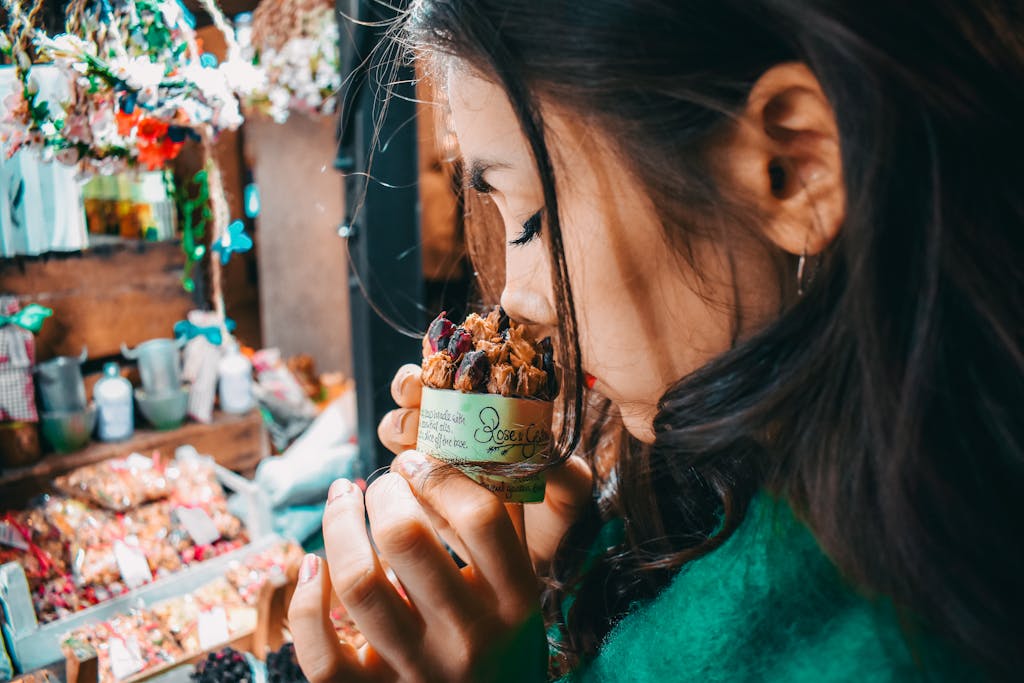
(643, 323)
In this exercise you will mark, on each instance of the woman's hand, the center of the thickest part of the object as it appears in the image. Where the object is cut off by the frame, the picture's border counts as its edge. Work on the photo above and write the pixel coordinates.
(480, 623)
(567, 491)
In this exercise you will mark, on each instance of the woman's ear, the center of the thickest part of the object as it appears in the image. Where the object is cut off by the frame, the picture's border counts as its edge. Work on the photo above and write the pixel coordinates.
(784, 154)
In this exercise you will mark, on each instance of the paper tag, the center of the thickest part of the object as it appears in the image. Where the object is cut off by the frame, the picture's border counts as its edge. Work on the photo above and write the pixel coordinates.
(132, 563)
(198, 525)
(125, 657)
(213, 628)
(11, 537)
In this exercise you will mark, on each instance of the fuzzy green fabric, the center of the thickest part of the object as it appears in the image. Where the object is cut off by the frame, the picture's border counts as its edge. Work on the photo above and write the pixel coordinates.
(767, 606)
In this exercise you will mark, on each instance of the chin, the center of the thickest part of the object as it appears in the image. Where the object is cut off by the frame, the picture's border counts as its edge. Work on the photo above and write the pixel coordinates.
(639, 425)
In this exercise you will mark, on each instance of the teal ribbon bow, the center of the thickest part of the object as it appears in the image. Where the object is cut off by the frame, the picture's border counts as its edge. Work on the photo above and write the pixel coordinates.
(30, 318)
(184, 328)
(233, 241)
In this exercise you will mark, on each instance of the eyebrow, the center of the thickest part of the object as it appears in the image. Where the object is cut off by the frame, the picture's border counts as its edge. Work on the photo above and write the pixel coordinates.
(477, 169)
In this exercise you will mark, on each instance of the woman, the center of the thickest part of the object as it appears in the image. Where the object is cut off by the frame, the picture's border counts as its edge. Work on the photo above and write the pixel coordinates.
(784, 241)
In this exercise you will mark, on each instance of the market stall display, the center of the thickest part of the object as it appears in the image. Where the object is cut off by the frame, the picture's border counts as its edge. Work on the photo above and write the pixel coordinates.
(116, 525)
(126, 645)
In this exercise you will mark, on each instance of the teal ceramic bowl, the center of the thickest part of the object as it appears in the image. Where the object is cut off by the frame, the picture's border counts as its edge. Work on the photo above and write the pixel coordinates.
(68, 430)
(166, 411)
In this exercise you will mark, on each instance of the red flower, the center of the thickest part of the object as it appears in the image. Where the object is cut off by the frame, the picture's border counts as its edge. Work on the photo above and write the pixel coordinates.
(151, 129)
(155, 154)
(126, 122)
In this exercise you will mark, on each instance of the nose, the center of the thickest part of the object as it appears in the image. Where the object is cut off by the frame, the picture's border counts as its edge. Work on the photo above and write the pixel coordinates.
(526, 300)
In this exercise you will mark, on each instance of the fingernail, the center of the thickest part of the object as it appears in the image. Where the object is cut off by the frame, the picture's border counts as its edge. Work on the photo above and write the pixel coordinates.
(309, 567)
(403, 386)
(338, 489)
(398, 418)
(412, 464)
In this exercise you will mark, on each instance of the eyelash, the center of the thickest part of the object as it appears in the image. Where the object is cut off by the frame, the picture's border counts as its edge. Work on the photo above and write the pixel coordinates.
(531, 228)
(477, 182)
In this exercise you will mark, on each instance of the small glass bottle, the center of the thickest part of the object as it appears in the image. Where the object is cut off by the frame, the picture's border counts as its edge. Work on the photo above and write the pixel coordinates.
(113, 396)
(234, 372)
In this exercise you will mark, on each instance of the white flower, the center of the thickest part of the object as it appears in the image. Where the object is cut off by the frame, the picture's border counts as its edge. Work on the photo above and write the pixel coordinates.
(65, 46)
(228, 117)
(243, 77)
(140, 74)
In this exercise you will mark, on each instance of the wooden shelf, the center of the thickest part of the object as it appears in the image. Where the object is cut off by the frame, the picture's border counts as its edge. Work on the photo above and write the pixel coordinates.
(127, 292)
(238, 442)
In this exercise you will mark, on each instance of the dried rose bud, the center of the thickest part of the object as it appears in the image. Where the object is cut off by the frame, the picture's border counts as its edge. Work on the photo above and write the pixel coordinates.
(503, 380)
(496, 352)
(438, 371)
(474, 372)
(460, 342)
(439, 332)
(531, 382)
(497, 320)
(477, 327)
(521, 350)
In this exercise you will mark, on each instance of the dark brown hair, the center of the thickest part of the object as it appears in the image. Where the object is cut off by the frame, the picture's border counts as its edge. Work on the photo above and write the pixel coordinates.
(886, 404)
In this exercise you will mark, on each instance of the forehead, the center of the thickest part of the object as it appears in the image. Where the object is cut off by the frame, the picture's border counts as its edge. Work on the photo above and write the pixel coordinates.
(484, 120)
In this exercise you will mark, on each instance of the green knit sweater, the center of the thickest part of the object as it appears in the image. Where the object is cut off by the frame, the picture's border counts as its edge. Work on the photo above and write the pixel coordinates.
(767, 606)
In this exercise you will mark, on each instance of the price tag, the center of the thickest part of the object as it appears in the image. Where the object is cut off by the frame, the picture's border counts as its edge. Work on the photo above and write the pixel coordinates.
(132, 563)
(125, 657)
(213, 628)
(11, 537)
(198, 525)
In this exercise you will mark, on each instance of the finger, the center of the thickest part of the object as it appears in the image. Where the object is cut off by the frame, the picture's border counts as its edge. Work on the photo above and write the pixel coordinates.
(406, 540)
(398, 429)
(442, 528)
(447, 534)
(516, 516)
(480, 520)
(321, 655)
(567, 493)
(406, 387)
(359, 581)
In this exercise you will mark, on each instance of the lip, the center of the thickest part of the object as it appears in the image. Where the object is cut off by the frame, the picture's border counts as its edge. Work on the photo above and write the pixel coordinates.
(589, 380)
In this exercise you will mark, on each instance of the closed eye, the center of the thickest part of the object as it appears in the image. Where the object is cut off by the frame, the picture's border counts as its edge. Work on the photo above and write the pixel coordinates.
(531, 228)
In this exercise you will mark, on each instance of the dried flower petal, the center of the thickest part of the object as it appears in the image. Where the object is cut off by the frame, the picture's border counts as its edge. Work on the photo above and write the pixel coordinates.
(521, 351)
(478, 327)
(474, 372)
(498, 319)
(496, 352)
(531, 381)
(438, 371)
(503, 380)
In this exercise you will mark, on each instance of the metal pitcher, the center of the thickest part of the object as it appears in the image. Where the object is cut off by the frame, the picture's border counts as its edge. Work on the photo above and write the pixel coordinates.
(60, 384)
(159, 363)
